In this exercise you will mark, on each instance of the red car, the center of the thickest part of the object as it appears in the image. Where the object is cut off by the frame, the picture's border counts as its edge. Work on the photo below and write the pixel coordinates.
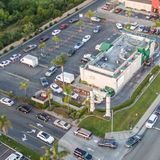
(63, 26)
(118, 10)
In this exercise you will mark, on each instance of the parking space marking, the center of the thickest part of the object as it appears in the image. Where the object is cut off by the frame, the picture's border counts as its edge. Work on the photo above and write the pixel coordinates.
(17, 76)
(4, 152)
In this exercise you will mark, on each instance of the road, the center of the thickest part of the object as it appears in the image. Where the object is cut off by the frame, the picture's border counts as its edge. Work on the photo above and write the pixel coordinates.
(148, 148)
(26, 126)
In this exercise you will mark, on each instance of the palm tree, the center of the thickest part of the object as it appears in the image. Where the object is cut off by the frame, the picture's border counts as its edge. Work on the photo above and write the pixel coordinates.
(42, 46)
(23, 86)
(59, 61)
(80, 23)
(90, 14)
(53, 153)
(129, 13)
(4, 124)
(56, 39)
(68, 91)
(49, 94)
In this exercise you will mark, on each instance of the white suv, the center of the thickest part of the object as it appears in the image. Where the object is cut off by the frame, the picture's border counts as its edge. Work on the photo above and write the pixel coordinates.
(151, 121)
(14, 156)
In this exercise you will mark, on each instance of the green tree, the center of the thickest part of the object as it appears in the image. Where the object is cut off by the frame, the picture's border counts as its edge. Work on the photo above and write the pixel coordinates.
(42, 46)
(57, 40)
(24, 86)
(4, 124)
(129, 14)
(50, 96)
(80, 23)
(28, 28)
(60, 61)
(90, 14)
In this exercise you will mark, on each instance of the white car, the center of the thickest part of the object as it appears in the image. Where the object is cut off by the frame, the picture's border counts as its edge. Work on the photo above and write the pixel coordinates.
(73, 95)
(6, 101)
(15, 57)
(55, 32)
(95, 19)
(78, 45)
(86, 38)
(5, 63)
(15, 156)
(151, 121)
(56, 88)
(50, 71)
(62, 124)
(119, 26)
(134, 26)
(140, 28)
(45, 137)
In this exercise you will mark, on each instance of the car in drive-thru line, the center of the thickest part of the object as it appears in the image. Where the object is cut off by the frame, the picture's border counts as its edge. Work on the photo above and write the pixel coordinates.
(62, 124)
(15, 156)
(29, 60)
(82, 155)
(45, 137)
(83, 133)
(68, 77)
(151, 121)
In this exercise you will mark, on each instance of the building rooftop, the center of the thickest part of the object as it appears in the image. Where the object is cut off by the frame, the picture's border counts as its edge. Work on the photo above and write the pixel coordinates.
(142, 1)
(121, 50)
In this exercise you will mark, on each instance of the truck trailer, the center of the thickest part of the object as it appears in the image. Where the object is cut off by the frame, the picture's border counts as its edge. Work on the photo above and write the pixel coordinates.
(68, 77)
(29, 60)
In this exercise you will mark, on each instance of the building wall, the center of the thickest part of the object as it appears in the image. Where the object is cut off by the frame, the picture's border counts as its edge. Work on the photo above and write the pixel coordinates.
(138, 6)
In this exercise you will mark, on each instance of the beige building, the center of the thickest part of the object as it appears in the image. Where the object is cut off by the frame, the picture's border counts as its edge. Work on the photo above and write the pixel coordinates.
(115, 67)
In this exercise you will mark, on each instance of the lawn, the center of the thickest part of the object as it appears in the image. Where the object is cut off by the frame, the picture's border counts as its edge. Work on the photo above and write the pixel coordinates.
(127, 118)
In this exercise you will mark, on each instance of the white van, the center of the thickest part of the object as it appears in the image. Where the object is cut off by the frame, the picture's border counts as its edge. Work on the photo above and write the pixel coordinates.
(83, 133)
(14, 156)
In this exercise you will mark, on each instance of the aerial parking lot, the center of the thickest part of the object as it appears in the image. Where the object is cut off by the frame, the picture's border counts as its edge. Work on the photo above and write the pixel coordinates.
(72, 34)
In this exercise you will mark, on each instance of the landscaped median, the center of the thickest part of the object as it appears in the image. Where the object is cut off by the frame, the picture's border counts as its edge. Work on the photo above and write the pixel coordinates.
(20, 148)
(126, 119)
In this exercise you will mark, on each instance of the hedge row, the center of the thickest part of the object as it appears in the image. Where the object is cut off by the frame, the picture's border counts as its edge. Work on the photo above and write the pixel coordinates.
(73, 102)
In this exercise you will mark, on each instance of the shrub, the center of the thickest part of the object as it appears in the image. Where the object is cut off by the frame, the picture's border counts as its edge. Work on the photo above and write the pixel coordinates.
(30, 36)
(50, 24)
(68, 14)
(5, 51)
(11, 47)
(46, 27)
(55, 22)
(76, 9)
(24, 39)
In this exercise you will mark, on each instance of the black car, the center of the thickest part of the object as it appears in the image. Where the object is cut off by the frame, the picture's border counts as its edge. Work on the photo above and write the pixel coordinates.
(157, 110)
(146, 29)
(71, 52)
(44, 39)
(24, 108)
(43, 116)
(79, 153)
(111, 143)
(133, 140)
(74, 20)
(97, 29)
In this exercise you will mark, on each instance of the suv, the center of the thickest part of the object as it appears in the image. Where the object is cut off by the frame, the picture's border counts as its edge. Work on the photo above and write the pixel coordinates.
(43, 116)
(50, 71)
(97, 29)
(81, 154)
(83, 133)
(24, 108)
(44, 81)
(111, 143)
(71, 52)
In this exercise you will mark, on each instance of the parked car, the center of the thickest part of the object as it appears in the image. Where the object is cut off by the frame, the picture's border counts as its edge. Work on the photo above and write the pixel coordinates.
(157, 111)
(95, 19)
(73, 95)
(146, 29)
(5, 63)
(71, 52)
(83, 133)
(44, 39)
(15, 57)
(63, 26)
(97, 29)
(151, 121)
(24, 108)
(30, 47)
(157, 32)
(43, 116)
(105, 7)
(78, 45)
(56, 88)
(62, 124)
(73, 20)
(50, 71)
(44, 81)
(133, 140)
(111, 143)
(152, 30)
(119, 26)
(81, 154)
(133, 26)
(15, 156)
(140, 28)
(7, 101)
(55, 32)
(118, 10)
(45, 137)
(86, 38)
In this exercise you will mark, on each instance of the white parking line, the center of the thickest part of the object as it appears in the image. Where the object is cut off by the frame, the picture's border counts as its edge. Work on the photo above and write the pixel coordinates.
(4, 153)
